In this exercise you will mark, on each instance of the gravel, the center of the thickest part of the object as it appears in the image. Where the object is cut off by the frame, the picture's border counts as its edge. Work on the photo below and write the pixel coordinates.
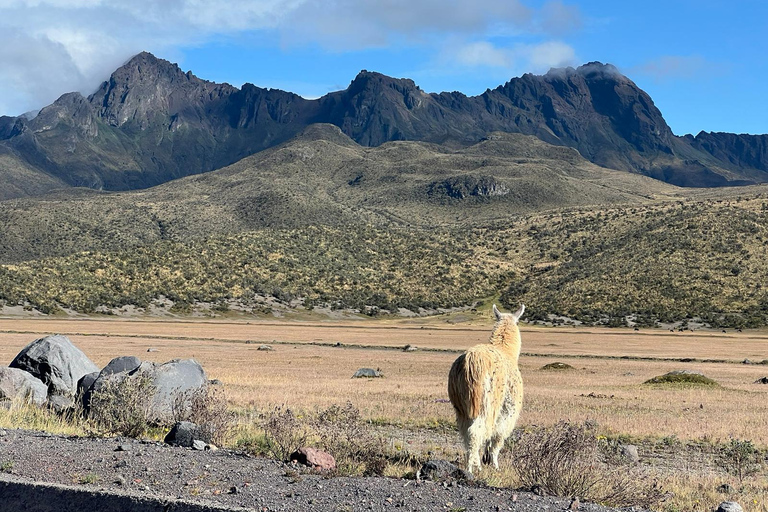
(234, 479)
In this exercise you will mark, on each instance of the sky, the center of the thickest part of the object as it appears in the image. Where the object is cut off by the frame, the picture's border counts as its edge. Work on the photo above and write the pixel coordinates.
(703, 62)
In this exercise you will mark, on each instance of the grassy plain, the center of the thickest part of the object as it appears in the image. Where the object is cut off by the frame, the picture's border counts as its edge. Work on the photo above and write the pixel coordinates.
(308, 371)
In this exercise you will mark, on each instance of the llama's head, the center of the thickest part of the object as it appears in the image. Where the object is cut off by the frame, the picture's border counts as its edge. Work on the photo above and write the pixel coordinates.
(506, 333)
(515, 317)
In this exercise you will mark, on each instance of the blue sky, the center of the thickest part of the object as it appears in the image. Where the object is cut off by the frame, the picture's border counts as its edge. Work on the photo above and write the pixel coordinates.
(703, 62)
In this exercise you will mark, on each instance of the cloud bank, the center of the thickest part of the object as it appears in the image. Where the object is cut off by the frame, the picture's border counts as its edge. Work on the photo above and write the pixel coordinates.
(56, 46)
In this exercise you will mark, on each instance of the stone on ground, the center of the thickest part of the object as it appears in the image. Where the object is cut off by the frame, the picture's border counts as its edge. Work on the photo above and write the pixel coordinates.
(314, 458)
(16, 384)
(57, 362)
(185, 433)
(369, 373)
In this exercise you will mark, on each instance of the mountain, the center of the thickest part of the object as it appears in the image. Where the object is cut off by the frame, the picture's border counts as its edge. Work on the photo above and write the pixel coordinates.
(322, 177)
(151, 123)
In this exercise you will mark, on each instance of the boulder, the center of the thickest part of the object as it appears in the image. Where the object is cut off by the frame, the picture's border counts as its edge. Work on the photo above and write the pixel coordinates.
(314, 458)
(762, 380)
(441, 471)
(170, 381)
(121, 364)
(16, 384)
(265, 348)
(369, 373)
(57, 362)
(85, 389)
(729, 506)
(185, 433)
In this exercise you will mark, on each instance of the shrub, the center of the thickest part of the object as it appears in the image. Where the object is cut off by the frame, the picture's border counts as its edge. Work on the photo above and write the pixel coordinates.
(207, 408)
(683, 379)
(568, 460)
(740, 458)
(285, 433)
(122, 405)
(344, 434)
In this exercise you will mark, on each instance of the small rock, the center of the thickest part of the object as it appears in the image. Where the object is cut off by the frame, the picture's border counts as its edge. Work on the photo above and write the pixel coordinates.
(409, 348)
(574, 504)
(198, 445)
(729, 506)
(3, 433)
(762, 380)
(152, 350)
(215, 382)
(184, 433)
(369, 373)
(629, 452)
(314, 458)
(266, 348)
(233, 490)
(120, 480)
(747, 361)
(123, 448)
(212, 447)
(441, 470)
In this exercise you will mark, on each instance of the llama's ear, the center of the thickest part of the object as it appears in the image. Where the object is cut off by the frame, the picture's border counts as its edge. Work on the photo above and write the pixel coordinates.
(496, 312)
(517, 314)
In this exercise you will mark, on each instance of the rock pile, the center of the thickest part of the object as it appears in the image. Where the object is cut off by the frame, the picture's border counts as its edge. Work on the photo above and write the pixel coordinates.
(52, 371)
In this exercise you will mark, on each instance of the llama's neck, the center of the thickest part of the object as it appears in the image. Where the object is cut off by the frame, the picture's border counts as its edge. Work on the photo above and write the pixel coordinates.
(507, 335)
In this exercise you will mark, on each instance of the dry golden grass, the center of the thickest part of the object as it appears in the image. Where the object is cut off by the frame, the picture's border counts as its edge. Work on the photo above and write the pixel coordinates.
(308, 376)
(414, 388)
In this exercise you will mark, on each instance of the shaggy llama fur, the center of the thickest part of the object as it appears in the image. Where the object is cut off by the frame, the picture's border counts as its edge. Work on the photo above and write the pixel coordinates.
(486, 390)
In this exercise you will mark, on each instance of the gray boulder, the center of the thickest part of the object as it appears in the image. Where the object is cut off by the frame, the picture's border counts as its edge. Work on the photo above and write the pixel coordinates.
(121, 364)
(171, 381)
(729, 506)
(369, 373)
(85, 389)
(57, 362)
(629, 452)
(185, 433)
(17, 384)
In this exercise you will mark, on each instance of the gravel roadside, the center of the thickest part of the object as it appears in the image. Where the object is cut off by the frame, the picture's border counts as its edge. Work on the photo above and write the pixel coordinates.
(233, 479)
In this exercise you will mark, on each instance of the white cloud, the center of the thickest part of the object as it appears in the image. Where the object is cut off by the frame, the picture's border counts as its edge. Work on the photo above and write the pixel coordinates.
(675, 67)
(551, 54)
(483, 53)
(56, 46)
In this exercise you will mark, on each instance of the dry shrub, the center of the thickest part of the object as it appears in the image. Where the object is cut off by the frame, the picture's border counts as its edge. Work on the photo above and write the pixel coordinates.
(122, 406)
(568, 460)
(285, 432)
(343, 433)
(740, 458)
(207, 408)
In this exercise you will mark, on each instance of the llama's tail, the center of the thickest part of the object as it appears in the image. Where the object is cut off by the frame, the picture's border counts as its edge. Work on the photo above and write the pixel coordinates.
(465, 385)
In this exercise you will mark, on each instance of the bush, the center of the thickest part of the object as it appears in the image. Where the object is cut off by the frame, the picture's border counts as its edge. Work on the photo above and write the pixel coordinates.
(344, 434)
(285, 433)
(568, 460)
(740, 458)
(122, 405)
(207, 408)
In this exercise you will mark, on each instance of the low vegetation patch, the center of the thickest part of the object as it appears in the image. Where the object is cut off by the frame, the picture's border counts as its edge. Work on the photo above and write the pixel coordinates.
(557, 366)
(683, 379)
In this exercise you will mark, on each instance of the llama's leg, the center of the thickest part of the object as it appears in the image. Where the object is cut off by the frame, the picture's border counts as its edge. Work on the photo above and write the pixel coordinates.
(477, 439)
(496, 444)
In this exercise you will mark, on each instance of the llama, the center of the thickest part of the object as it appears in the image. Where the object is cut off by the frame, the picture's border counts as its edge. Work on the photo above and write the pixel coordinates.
(486, 390)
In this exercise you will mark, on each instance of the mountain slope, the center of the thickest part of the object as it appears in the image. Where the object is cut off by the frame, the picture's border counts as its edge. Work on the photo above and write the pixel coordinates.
(322, 177)
(151, 123)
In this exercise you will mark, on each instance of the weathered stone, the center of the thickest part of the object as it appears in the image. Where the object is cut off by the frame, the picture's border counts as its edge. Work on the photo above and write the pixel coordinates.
(629, 452)
(369, 373)
(16, 384)
(729, 506)
(314, 458)
(121, 364)
(441, 471)
(85, 389)
(170, 381)
(198, 445)
(762, 380)
(57, 362)
(265, 348)
(185, 433)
